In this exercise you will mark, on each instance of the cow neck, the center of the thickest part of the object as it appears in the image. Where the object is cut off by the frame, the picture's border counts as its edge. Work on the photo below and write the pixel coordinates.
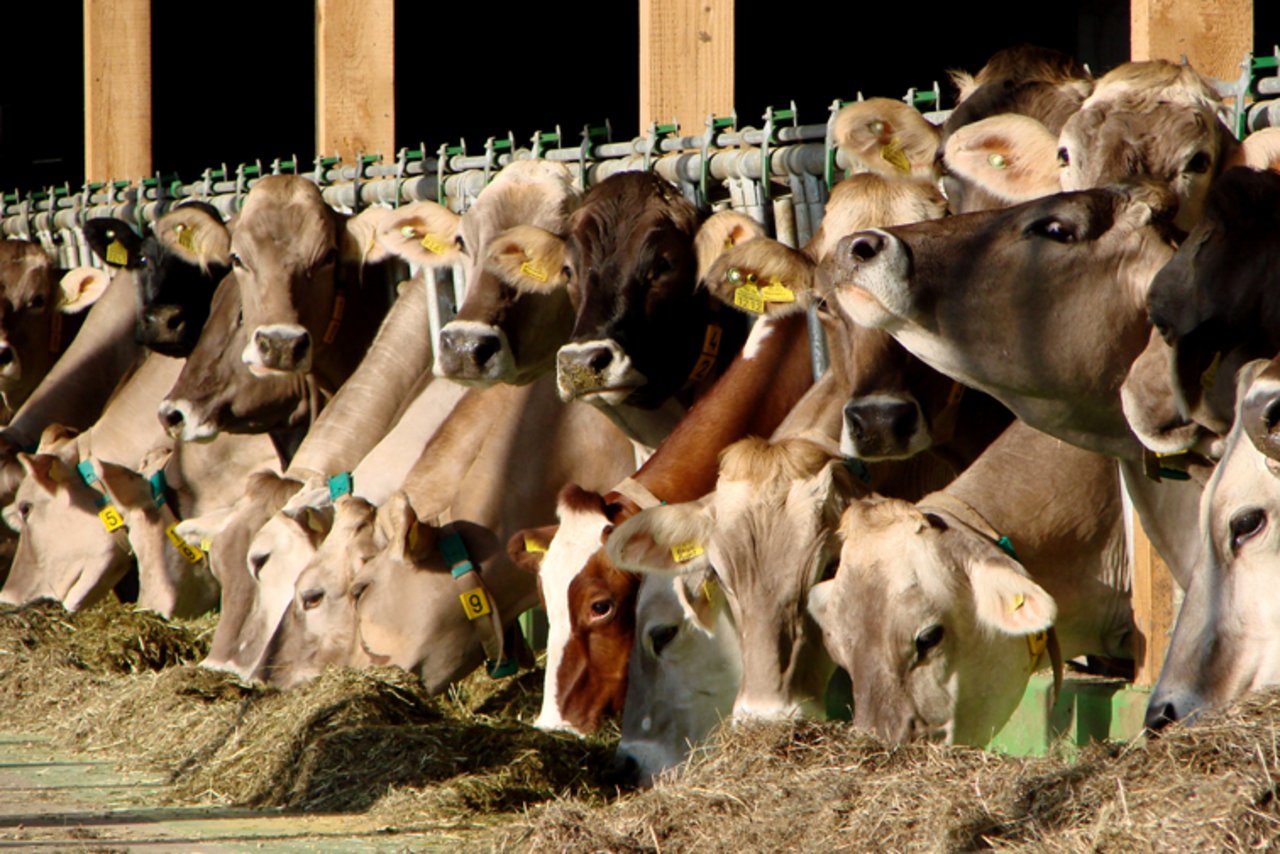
(967, 515)
(478, 603)
(721, 340)
(751, 398)
(163, 499)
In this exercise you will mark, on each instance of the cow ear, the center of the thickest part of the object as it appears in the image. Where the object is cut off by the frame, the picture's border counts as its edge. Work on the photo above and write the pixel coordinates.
(669, 538)
(194, 232)
(527, 548)
(701, 597)
(397, 529)
(80, 288)
(762, 277)
(721, 232)
(44, 469)
(1008, 600)
(360, 236)
(1259, 150)
(1012, 157)
(127, 488)
(114, 241)
(423, 233)
(55, 437)
(529, 258)
(315, 521)
(201, 531)
(819, 599)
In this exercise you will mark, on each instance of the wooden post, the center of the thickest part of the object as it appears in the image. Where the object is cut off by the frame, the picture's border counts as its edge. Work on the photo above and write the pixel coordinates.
(1214, 35)
(686, 62)
(1152, 608)
(355, 78)
(117, 89)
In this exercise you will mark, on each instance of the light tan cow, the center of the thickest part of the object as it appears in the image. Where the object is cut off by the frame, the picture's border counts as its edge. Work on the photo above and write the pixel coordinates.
(933, 604)
(1226, 642)
(888, 137)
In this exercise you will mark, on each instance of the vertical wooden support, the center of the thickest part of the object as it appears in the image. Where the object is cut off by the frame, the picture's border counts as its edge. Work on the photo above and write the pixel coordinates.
(355, 78)
(117, 89)
(1213, 34)
(686, 61)
(1152, 608)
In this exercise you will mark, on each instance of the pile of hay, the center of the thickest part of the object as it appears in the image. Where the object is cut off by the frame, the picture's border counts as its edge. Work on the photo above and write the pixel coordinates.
(824, 787)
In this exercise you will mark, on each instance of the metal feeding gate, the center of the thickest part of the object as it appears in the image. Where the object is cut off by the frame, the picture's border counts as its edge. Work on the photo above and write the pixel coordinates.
(779, 174)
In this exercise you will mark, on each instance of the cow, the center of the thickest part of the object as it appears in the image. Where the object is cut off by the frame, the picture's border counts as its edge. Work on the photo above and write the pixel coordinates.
(933, 604)
(1149, 119)
(1225, 642)
(516, 312)
(1039, 83)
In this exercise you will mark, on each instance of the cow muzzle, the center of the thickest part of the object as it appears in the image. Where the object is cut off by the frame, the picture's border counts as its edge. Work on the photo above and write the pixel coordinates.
(1260, 413)
(163, 328)
(473, 353)
(285, 348)
(876, 266)
(598, 372)
(883, 428)
(179, 419)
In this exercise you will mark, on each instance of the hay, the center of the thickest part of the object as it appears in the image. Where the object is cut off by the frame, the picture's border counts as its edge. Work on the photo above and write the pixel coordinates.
(823, 787)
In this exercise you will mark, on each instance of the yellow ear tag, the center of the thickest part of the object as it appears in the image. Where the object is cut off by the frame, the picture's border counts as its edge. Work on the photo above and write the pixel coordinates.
(111, 518)
(474, 603)
(413, 538)
(533, 546)
(709, 591)
(775, 291)
(188, 551)
(1211, 373)
(117, 255)
(749, 297)
(206, 545)
(728, 243)
(682, 552)
(535, 273)
(1036, 644)
(433, 244)
(186, 236)
(1018, 602)
(895, 156)
(997, 161)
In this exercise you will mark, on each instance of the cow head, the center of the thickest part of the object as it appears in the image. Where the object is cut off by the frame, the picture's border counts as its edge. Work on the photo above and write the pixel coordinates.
(640, 325)
(407, 603)
(932, 622)
(1226, 641)
(683, 673)
(285, 252)
(216, 391)
(31, 316)
(886, 136)
(1040, 305)
(768, 534)
(319, 626)
(1213, 301)
(64, 551)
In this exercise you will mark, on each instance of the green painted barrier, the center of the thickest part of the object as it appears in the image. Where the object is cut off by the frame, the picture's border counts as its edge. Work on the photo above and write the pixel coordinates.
(1089, 709)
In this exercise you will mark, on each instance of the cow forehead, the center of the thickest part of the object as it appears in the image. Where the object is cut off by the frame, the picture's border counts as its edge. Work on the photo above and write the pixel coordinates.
(540, 198)
(18, 262)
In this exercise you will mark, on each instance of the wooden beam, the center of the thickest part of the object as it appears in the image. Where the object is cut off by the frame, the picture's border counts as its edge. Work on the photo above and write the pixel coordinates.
(1152, 608)
(355, 78)
(117, 89)
(1213, 34)
(686, 61)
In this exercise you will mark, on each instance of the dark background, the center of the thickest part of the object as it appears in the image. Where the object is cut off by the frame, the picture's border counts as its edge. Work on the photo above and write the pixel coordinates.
(233, 80)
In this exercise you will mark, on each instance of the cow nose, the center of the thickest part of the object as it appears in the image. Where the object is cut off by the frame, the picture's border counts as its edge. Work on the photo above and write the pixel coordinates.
(283, 348)
(1260, 413)
(866, 246)
(473, 347)
(598, 358)
(882, 422)
(626, 770)
(6, 355)
(171, 417)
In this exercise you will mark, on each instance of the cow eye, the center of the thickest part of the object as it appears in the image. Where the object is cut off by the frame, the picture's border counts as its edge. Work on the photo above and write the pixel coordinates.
(660, 636)
(311, 597)
(928, 639)
(1199, 164)
(24, 509)
(566, 271)
(460, 243)
(601, 609)
(358, 589)
(1245, 525)
(661, 267)
(37, 302)
(1064, 158)
(257, 562)
(236, 262)
(330, 257)
(829, 569)
(1054, 229)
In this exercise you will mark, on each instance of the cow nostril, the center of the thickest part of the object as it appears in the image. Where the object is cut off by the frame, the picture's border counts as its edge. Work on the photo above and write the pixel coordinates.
(300, 348)
(6, 356)
(173, 417)
(264, 346)
(857, 425)
(866, 246)
(903, 422)
(600, 359)
(486, 348)
(1160, 716)
(626, 770)
(174, 323)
